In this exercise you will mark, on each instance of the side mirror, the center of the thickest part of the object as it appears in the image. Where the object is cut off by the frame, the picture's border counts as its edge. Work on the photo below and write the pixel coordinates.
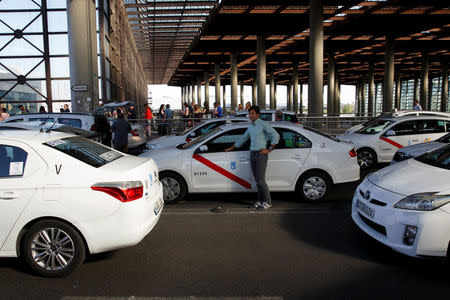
(390, 133)
(203, 148)
(192, 134)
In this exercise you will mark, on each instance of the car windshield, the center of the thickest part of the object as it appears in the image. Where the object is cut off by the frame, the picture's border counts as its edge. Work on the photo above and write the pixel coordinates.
(189, 130)
(375, 127)
(444, 139)
(85, 150)
(201, 139)
(321, 133)
(439, 157)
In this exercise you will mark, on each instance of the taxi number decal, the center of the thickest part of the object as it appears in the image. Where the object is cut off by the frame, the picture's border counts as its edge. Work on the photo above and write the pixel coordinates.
(391, 142)
(221, 171)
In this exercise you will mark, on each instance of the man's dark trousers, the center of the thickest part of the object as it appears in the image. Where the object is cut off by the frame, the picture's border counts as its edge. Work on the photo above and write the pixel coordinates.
(258, 163)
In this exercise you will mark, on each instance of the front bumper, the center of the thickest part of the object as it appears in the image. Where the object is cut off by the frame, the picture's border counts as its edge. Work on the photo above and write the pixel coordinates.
(388, 224)
(127, 227)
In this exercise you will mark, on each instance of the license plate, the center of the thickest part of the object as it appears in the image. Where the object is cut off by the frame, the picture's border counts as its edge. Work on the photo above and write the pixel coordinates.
(365, 209)
(159, 204)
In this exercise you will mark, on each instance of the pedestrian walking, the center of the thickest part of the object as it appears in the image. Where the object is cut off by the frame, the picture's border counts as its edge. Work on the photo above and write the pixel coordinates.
(217, 110)
(416, 105)
(23, 110)
(132, 114)
(4, 114)
(120, 128)
(162, 117)
(168, 119)
(148, 115)
(247, 105)
(259, 132)
(103, 129)
(66, 108)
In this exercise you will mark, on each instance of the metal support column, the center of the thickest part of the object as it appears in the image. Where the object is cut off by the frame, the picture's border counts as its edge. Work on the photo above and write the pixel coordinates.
(206, 76)
(331, 85)
(337, 96)
(371, 95)
(193, 97)
(289, 96)
(416, 90)
(275, 96)
(430, 94)
(48, 82)
(224, 107)
(261, 70)
(444, 91)
(234, 81)
(82, 36)
(295, 88)
(363, 97)
(272, 90)
(388, 88)
(199, 92)
(301, 98)
(254, 93)
(398, 88)
(315, 86)
(217, 82)
(424, 81)
(242, 93)
(357, 100)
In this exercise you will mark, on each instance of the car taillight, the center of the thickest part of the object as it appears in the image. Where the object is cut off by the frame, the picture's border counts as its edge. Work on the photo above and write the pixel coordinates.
(93, 127)
(352, 152)
(124, 191)
(135, 132)
(188, 140)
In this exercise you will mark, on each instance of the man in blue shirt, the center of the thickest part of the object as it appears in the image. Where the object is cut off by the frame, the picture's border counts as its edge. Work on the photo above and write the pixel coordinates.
(168, 116)
(259, 132)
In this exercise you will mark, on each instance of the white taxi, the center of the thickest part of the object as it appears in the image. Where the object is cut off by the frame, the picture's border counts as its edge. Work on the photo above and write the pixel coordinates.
(191, 133)
(406, 206)
(62, 196)
(379, 140)
(305, 161)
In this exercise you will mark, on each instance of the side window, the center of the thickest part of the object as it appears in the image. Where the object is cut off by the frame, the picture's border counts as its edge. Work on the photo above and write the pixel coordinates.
(290, 118)
(12, 161)
(226, 140)
(430, 126)
(14, 120)
(447, 125)
(290, 139)
(70, 122)
(41, 119)
(207, 128)
(405, 128)
(266, 117)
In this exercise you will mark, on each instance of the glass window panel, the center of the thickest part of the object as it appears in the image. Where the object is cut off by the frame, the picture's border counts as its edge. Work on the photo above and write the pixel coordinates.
(3, 27)
(18, 20)
(108, 69)
(61, 89)
(60, 66)
(56, 4)
(23, 92)
(100, 89)
(39, 72)
(59, 44)
(107, 47)
(20, 66)
(21, 47)
(23, 4)
(57, 21)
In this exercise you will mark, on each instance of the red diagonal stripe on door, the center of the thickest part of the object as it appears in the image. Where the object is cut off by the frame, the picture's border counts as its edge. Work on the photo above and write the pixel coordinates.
(221, 171)
(391, 142)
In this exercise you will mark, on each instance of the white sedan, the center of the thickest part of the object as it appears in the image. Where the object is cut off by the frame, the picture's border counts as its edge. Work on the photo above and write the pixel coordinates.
(191, 133)
(62, 196)
(406, 206)
(305, 160)
(378, 141)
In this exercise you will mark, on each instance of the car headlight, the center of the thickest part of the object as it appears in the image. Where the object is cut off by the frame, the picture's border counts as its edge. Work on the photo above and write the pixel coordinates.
(151, 146)
(423, 201)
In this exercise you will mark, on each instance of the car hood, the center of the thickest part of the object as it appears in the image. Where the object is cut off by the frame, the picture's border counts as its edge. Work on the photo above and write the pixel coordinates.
(358, 139)
(354, 128)
(418, 149)
(165, 141)
(411, 177)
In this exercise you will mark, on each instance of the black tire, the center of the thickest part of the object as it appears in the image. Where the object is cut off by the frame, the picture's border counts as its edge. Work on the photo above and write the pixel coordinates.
(54, 255)
(313, 186)
(174, 187)
(367, 158)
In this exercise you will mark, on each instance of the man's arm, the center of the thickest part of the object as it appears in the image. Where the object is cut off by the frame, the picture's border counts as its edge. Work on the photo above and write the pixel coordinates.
(239, 142)
(274, 138)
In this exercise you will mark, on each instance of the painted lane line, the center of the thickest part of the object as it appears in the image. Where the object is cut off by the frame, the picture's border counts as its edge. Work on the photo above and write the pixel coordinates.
(222, 171)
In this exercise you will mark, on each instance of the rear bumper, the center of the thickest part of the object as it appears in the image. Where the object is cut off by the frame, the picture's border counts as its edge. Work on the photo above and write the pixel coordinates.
(132, 222)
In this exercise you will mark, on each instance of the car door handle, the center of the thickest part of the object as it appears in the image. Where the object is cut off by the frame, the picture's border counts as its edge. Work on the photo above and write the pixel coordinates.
(296, 156)
(8, 195)
(243, 159)
(415, 140)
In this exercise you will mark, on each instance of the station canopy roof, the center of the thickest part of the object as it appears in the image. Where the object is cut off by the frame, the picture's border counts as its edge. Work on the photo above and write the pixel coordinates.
(355, 34)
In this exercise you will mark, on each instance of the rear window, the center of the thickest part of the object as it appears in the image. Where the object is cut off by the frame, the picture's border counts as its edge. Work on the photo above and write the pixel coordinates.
(438, 158)
(321, 133)
(290, 118)
(70, 122)
(42, 119)
(87, 151)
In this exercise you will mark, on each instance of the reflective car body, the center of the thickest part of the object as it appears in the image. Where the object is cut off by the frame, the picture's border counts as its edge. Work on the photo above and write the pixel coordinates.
(57, 176)
(203, 166)
(406, 206)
